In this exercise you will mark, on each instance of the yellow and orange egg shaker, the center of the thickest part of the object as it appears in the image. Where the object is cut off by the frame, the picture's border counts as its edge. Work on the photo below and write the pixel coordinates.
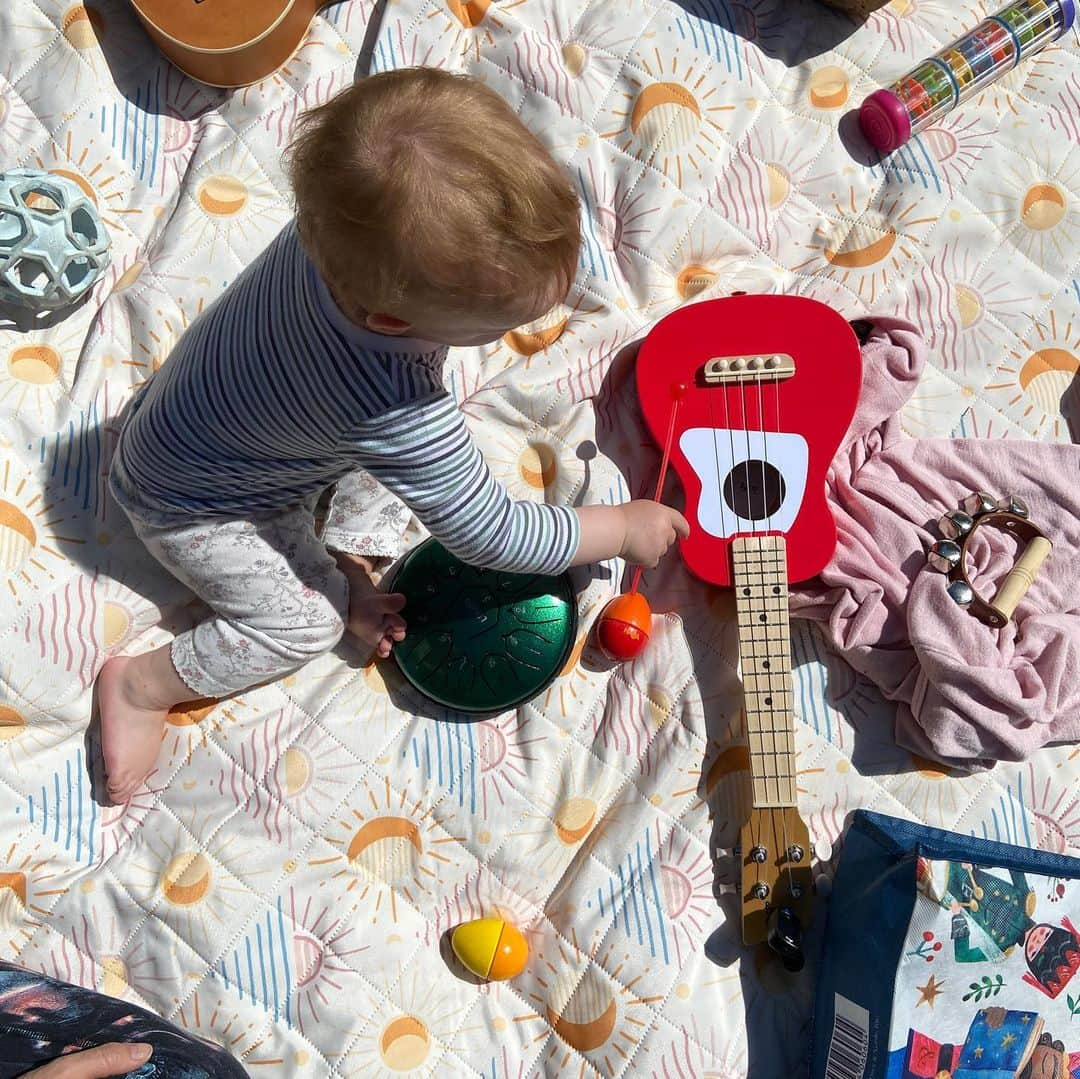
(490, 948)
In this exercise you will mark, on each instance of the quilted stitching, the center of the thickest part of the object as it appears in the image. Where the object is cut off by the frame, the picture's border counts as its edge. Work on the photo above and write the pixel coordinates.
(299, 957)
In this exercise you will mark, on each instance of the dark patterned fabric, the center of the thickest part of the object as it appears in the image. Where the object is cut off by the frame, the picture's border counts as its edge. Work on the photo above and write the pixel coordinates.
(41, 1019)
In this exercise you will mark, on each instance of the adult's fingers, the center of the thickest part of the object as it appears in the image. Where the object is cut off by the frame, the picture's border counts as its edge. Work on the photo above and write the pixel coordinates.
(100, 1063)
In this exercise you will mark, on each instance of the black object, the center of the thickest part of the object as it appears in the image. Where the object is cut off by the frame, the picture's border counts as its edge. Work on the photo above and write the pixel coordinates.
(785, 938)
(863, 328)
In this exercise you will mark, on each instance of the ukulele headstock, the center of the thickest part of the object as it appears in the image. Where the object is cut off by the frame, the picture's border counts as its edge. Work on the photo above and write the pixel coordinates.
(776, 881)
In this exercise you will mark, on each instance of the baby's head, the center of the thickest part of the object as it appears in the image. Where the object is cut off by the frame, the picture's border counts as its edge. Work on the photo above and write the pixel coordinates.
(431, 210)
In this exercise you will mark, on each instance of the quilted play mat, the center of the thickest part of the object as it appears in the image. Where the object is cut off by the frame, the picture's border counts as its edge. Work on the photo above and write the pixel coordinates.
(285, 882)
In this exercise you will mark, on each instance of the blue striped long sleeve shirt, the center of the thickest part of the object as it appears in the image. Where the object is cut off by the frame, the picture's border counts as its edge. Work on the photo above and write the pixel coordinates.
(273, 395)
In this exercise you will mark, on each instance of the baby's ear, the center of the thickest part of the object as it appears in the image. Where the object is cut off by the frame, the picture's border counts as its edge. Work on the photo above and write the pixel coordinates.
(387, 324)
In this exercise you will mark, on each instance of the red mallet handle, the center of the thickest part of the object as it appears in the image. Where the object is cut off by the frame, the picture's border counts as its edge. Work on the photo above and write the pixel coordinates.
(678, 391)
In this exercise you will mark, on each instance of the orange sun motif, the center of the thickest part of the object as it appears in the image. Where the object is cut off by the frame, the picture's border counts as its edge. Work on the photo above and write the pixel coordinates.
(589, 1011)
(408, 1031)
(29, 886)
(1029, 199)
(391, 846)
(672, 125)
(468, 24)
(90, 165)
(870, 246)
(1039, 373)
(31, 525)
(194, 884)
(235, 206)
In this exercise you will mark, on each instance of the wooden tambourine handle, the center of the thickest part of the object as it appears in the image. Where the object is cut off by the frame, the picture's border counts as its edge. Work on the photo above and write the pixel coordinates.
(1016, 585)
(999, 611)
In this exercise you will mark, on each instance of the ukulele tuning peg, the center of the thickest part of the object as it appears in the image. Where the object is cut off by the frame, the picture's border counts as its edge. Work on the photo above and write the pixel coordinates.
(795, 853)
(758, 854)
(955, 524)
(1011, 504)
(944, 556)
(760, 890)
(961, 593)
(979, 502)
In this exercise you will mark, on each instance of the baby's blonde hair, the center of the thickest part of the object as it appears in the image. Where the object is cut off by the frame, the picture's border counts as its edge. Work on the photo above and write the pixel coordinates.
(419, 190)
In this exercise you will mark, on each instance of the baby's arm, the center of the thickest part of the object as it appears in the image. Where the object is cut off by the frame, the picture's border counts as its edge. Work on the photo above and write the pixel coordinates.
(639, 531)
(424, 454)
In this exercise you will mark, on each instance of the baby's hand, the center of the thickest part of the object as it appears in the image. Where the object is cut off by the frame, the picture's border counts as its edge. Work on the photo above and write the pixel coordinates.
(373, 615)
(651, 528)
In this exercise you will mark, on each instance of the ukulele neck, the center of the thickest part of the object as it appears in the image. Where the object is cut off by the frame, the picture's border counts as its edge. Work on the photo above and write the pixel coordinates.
(761, 592)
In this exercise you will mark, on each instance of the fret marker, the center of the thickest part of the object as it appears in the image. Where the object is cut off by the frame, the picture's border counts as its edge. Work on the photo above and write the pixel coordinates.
(768, 700)
(765, 663)
(763, 617)
(746, 591)
(776, 590)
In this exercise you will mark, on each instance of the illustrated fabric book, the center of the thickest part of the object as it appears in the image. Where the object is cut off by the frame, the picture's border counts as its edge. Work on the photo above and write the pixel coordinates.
(948, 957)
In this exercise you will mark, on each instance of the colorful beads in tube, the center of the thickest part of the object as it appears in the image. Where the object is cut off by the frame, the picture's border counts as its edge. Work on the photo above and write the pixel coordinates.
(938, 84)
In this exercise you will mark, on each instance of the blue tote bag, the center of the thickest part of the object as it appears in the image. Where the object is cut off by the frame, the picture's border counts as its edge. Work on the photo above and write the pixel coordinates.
(948, 957)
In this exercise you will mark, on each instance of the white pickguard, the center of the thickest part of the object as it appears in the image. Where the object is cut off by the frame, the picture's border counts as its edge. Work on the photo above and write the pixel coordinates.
(713, 452)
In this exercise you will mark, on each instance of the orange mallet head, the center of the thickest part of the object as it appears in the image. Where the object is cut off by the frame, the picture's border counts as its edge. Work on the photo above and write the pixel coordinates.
(622, 630)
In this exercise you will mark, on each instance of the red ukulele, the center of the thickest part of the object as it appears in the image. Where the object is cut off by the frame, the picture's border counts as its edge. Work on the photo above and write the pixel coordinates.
(751, 397)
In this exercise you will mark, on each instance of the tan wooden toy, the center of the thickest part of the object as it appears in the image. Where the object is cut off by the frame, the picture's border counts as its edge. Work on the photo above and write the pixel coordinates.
(949, 555)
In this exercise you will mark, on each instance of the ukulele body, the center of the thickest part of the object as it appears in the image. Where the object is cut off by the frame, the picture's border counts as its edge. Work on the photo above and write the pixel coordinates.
(752, 450)
(227, 43)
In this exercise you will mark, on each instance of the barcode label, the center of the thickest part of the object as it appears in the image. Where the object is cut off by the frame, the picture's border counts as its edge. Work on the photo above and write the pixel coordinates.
(850, 1042)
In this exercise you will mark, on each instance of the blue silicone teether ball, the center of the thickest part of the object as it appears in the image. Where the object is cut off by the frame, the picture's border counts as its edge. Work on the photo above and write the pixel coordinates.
(53, 244)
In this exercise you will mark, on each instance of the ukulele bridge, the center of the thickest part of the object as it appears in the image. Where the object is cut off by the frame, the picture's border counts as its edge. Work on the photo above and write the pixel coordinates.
(722, 370)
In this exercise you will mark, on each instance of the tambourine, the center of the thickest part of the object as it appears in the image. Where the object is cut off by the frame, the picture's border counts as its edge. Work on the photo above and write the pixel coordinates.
(478, 640)
(949, 555)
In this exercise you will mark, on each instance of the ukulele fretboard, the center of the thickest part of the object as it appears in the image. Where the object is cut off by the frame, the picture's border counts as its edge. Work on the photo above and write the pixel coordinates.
(761, 593)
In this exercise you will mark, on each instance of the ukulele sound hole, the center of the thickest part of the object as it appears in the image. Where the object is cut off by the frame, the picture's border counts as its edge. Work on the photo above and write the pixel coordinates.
(754, 490)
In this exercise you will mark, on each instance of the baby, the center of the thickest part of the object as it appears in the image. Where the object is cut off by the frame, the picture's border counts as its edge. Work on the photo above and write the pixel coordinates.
(427, 216)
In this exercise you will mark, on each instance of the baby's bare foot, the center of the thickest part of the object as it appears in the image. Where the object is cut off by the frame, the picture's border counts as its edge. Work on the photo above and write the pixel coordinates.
(132, 722)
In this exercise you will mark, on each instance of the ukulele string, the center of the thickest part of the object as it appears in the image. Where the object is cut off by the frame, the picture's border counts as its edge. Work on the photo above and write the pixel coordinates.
(746, 463)
(789, 748)
(716, 449)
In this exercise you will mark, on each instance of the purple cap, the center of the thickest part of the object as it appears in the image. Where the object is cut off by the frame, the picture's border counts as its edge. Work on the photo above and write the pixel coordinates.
(1068, 14)
(885, 121)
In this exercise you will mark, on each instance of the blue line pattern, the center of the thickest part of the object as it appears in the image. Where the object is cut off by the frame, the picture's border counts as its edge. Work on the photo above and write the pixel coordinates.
(60, 808)
(912, 163)
(592, 257)
(634, 902)
(260, 966)
(458, 774)
(712, 31)
(74, 457)
(1008, 820)
(134, 129)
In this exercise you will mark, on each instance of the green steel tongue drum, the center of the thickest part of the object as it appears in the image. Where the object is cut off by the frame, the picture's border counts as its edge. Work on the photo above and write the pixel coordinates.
(481, 641)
